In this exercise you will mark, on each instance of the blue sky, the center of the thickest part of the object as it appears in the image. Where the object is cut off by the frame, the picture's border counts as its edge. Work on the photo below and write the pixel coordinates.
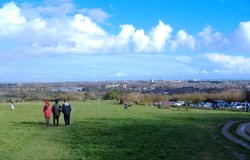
(97, 40)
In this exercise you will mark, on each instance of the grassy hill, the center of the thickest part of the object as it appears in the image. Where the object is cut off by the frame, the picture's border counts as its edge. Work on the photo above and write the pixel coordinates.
(106, 131)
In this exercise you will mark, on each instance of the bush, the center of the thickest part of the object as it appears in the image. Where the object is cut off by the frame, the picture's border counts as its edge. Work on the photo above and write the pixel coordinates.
(145, 99)
(113, 95)
(229, 95)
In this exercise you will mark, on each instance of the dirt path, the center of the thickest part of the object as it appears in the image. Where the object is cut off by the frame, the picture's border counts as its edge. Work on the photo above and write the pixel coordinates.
(232, 138)
(242, 131)
(248, 130)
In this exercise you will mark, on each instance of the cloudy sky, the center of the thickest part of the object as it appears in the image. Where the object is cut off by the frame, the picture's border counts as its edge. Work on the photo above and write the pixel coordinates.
(97, 40)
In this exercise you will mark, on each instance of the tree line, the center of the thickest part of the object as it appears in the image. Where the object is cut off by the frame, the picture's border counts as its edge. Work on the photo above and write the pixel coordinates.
(130, 97)
(141, 98)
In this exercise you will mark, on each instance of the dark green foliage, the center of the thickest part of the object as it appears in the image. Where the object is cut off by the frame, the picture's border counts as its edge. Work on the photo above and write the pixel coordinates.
(113, 95)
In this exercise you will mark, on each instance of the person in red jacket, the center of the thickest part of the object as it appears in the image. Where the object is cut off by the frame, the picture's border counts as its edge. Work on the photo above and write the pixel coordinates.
(47, 112)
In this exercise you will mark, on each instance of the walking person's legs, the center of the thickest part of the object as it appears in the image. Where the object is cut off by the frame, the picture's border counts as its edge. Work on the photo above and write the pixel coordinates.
(54, 120)
(65, 119)
(57, 120)
(47, 121)
(69, 119)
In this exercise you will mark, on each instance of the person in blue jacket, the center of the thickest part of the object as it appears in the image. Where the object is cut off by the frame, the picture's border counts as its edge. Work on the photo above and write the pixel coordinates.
(66, 109)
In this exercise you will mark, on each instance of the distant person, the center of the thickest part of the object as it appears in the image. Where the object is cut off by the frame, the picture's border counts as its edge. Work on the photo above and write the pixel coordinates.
(125, 106)
(56, 110)
(12, 106)
(247, 106)
(47, 112)
(66, 109)
(213, 106)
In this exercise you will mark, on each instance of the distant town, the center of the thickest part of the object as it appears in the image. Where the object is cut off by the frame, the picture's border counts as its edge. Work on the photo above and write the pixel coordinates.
(94, 90)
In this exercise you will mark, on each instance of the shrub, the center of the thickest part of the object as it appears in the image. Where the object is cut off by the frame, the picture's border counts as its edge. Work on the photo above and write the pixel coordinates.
(229, 95)
(113, 95)
(145, 99)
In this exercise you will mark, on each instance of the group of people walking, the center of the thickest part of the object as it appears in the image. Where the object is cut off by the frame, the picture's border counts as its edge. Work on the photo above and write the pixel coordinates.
(56, 110)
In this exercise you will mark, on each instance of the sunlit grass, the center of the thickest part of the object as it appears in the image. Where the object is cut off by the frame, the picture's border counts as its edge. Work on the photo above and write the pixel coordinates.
(106, 131)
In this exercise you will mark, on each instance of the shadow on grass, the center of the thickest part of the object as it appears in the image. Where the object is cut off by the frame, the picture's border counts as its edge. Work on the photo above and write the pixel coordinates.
(29, 124)
(33, 123)
(130, 139)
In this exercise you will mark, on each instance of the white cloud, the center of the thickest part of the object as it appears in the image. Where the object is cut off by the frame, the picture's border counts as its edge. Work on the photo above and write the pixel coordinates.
(155, 40)
(209, 37)
(38, 24)
(75, 34)
(204, 71)
(221, 71)
(183, 59)
(216, 71)
(160, 34)
(242, 36)
(183, 39)
(124, 37)
(244, 30)
(44, 29)
(97, 14)
(50, 8)
(121, 74)
(141, 40)
(231, 63)
(11, 20)
(86, 25)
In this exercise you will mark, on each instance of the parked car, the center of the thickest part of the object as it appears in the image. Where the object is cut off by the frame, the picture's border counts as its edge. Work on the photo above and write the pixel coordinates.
(164, 104)
(200, 104)
(240, 105)
(188, 104)
(236, 105)
(207, 105)
(221, 104)
(179, 103)
(245, 105)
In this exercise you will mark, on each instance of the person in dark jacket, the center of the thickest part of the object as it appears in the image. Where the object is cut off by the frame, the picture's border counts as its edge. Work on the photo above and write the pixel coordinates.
(247, 106)
(56, 109)
(66, 109)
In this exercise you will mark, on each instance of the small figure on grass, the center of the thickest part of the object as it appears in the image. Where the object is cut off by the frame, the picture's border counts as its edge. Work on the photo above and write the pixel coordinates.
(66, 109)
(213, 106)
(247, 106)
(47, 112)
(56, 109)
(12, 106)
(125, 106)
(187, 106)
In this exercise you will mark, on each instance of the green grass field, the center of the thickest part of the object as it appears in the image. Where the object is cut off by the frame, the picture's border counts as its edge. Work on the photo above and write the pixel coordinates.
(106, 131)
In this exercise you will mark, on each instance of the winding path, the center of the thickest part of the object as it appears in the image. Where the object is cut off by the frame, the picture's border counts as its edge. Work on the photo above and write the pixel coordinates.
(242, 130)
(248, 130)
